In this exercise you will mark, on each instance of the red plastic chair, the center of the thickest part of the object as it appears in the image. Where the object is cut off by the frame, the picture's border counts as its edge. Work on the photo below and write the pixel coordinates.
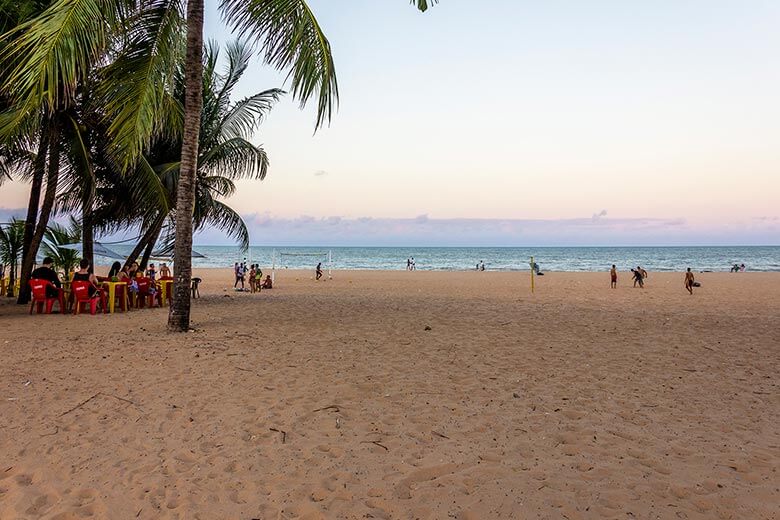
(39, 298)
(81, 297)
(145, 293)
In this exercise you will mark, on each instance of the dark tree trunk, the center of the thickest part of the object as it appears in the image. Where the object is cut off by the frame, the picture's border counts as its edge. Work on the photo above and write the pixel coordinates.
(151, 243)
(28, 256)
(52, 177)
(179, 316)
(151, 234)
(147, 254)
(88, 231)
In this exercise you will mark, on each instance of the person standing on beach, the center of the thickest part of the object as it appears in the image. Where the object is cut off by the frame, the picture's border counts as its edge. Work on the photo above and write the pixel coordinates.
(409, 264)
(613, 277)
(239, 276)
(641, 271)
(413, 267)
(689, 280)
(318, 274)
(638, 278)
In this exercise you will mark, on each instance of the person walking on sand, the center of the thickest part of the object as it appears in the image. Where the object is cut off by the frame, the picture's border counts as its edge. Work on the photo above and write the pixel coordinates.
(689, 280)
(641, 271)
(318, 274)
(408, 264)
(613, 277)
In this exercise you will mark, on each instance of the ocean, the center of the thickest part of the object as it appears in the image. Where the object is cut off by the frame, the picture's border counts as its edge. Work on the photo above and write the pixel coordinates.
(755, 258)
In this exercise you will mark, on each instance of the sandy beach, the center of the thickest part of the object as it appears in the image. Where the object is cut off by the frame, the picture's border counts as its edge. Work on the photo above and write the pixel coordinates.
(402, 395)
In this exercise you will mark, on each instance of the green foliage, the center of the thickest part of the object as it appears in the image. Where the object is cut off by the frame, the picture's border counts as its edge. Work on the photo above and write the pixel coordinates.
(11, 238)
(55, 237)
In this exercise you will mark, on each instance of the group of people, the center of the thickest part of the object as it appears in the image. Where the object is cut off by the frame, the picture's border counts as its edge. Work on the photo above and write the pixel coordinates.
(256, 282)
(639, 276)
(737, 268)
(480, 266)
(410, 265)
(130, 274)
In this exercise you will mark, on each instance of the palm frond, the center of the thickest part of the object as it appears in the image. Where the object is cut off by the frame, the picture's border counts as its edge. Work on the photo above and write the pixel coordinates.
(235, 158)
(290, 37)
(244, 116)
(137, 92)
(224, 218)
(48, 56)
(423, 5)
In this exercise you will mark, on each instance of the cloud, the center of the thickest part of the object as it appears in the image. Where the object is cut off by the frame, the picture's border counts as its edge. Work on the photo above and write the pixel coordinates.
(320, 173)
(600, 214)
(424, 230)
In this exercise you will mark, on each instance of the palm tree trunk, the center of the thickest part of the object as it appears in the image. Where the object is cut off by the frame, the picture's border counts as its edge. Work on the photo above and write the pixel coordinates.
(28, 258)
(179, 316)
(147, 254)
(151, 235)
(88, 232)
(151, 243)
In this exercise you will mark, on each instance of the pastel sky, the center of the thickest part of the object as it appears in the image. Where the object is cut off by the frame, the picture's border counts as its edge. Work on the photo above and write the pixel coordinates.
(511, 122)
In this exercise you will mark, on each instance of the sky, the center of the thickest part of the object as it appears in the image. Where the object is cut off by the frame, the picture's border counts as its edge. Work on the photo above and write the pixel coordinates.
(511, 122)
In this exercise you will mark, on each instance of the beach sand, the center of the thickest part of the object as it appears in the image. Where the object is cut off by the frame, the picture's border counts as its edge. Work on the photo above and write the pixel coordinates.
(402, 395)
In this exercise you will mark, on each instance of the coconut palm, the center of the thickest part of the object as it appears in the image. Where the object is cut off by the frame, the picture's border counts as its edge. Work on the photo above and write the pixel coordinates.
(56, 236)
(60, 47)
(290, 37)
(11, 241)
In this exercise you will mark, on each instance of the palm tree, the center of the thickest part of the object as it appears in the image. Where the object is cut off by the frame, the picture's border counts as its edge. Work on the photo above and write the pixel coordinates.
(290, 37)
(11, 239)
(55, 52)
(225, 154)
(57, 236)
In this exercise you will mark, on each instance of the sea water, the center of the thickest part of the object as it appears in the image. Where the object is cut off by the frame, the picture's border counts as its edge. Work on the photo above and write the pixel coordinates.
(755, 258)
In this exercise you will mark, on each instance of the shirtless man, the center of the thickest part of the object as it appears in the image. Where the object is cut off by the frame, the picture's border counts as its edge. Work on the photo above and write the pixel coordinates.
(689, 280)
(613, 277)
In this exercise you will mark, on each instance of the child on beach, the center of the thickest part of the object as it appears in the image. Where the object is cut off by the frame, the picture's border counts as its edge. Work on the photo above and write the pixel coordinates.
(613, 277)
(252, 285)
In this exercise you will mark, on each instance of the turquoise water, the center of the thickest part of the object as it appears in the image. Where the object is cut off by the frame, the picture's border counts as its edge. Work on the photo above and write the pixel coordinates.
(756, 258)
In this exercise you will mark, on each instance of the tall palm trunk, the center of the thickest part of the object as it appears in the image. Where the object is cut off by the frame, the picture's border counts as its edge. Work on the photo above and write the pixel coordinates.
(88, 230)
(179, 316)
(152, 242)
(52, 177)
(150, 236)
(28, 257)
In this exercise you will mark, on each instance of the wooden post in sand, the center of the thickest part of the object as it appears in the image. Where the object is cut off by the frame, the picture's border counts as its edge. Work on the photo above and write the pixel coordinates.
(532, 274)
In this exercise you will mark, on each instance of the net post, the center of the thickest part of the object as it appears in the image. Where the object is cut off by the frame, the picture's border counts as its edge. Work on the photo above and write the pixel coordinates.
(273, 266)
(532, 274)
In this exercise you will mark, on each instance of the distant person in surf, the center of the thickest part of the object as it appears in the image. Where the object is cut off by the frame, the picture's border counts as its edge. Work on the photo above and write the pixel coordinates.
(689, 281)
(318, 273)
(613, 277)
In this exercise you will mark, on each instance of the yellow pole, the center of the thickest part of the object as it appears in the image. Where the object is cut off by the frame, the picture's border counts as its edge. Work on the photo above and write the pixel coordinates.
(532, 274)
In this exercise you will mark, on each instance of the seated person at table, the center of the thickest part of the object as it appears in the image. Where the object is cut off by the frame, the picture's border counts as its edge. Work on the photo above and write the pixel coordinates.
(116, 268)
(83, 275)
(164, 271)
(268, 284)
(45, 272)
(133, 270)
